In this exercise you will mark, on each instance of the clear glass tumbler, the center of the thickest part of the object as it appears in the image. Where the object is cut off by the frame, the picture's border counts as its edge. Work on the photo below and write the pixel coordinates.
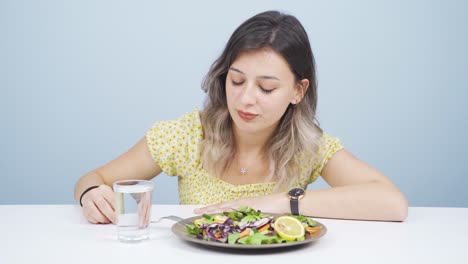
(133, 209)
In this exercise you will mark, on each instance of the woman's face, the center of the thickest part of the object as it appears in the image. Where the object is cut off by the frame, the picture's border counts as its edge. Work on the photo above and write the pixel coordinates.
(259, 88)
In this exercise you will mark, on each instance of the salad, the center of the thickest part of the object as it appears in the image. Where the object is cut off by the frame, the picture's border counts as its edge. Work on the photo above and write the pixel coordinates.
(249, 226)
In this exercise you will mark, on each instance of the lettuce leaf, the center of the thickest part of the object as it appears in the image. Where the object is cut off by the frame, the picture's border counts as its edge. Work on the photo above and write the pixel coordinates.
(232, 238)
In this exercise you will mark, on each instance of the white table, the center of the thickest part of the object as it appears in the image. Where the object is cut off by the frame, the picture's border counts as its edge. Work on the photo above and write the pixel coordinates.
(60, 234)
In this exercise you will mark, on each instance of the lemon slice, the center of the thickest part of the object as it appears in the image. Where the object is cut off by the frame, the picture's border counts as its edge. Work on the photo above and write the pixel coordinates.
(220, 219)
(199, 222)
(289, 228)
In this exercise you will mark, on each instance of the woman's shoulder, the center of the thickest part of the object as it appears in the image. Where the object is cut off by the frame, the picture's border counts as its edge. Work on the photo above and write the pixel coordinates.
(173, 143)
(188, 122)
(325, 145)
(185, 129)
(328, 145)
(192, 117)
(327, 139)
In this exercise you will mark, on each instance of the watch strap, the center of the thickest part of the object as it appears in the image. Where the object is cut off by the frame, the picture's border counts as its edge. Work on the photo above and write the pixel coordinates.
(294, 203)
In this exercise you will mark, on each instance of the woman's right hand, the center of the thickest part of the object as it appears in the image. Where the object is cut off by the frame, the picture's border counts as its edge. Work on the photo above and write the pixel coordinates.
(99, 205)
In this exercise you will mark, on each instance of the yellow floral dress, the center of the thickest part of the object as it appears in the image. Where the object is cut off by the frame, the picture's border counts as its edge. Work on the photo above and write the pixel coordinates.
(174, 145)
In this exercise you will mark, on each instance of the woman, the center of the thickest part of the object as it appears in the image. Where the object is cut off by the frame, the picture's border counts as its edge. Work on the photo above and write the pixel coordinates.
(255, 142)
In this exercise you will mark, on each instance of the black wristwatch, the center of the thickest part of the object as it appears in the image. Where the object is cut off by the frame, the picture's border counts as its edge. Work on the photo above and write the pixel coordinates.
(295, 194)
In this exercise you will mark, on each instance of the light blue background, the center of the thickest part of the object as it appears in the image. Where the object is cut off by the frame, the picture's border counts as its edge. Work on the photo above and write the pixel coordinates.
(81, 82)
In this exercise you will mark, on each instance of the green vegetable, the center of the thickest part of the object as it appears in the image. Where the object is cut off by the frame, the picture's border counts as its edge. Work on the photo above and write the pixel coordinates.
(259, 238)
(234, 215)
(305, 219)
(232, 238)
(192, 229)
(249, 211)
(250, 218)
(311, 222)
(209, 218)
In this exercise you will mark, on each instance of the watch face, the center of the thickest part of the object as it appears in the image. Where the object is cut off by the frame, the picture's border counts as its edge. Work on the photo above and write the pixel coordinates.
(296, 192)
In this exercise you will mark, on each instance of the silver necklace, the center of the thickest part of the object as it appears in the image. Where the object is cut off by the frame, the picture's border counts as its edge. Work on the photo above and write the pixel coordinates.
(243, 171)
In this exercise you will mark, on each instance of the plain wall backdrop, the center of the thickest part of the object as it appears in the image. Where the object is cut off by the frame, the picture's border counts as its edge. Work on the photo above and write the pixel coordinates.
(82, 81)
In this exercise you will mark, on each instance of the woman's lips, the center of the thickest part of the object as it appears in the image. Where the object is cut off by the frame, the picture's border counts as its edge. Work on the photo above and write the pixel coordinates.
(246, 115)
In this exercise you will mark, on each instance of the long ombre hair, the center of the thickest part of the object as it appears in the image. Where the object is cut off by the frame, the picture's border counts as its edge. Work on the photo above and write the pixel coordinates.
(296, 137)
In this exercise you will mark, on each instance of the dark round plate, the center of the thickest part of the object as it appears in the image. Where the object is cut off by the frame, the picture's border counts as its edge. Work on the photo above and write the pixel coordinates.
(179, 230)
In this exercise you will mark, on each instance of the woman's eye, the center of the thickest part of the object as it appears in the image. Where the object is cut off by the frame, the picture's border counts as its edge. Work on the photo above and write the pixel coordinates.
(237, 83)
(267, 91)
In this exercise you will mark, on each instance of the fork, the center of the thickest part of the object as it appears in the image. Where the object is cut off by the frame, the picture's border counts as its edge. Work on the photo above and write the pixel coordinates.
(170, 217)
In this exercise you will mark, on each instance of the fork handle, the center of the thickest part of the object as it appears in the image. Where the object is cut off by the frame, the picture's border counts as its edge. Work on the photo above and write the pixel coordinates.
(170, 217)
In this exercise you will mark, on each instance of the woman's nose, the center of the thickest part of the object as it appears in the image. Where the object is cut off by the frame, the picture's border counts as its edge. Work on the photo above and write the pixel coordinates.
(248, 96)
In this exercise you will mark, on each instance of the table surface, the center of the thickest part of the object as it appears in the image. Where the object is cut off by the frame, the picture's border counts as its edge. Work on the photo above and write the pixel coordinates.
(60, 234)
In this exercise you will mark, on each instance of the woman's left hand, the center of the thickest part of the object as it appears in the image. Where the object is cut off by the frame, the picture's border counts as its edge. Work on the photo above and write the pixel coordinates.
(273, 203)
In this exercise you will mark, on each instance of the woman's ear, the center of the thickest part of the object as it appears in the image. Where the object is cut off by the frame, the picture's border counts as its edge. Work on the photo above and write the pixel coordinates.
(300, 90)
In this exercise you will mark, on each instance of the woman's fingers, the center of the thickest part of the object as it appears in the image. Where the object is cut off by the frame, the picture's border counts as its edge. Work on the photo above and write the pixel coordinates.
(92, 220)
(147, 209)
(94, 215)
(141, 210)
(216, 208)
(107, 205)
(105, 208)
(259, 203)
(98, 205)
(109, 195)
(144, 207)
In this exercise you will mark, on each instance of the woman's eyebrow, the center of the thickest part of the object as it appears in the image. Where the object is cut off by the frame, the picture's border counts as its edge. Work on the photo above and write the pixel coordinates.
(258, 77)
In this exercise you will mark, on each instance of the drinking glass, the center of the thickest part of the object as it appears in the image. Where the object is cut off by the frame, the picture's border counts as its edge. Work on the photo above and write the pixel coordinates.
(133, 209)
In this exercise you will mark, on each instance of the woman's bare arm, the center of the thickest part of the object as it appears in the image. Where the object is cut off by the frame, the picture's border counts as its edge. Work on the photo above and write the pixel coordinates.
(98, 204)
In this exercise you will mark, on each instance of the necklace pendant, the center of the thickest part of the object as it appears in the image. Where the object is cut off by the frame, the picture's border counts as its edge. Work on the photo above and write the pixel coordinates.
(243, 171)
